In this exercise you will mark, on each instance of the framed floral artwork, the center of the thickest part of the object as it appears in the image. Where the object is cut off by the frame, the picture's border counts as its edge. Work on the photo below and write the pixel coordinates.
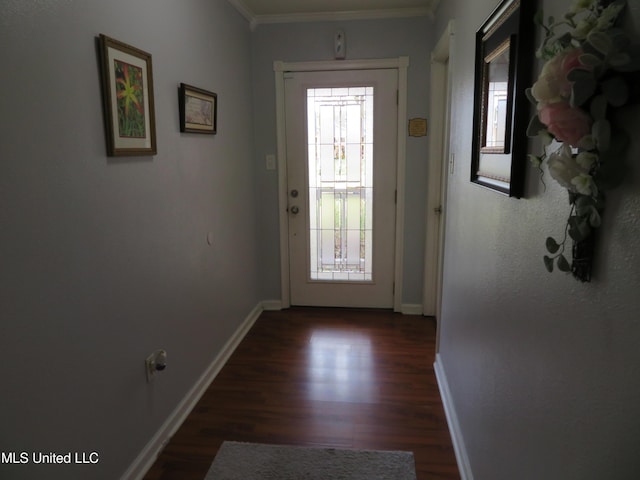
(503, 63)
(127, 87)
(198, 109)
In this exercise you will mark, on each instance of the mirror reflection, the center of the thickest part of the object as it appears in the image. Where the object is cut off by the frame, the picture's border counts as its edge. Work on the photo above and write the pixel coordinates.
(496, 104)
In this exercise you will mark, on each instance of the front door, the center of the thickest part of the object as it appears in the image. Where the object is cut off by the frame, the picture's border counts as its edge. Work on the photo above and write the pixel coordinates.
(341, 141)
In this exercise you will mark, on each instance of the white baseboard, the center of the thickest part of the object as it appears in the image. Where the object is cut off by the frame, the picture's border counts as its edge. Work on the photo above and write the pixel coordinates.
(411, 309)
(272, 305)
(452, 420)
(149, 453)
(405, 308)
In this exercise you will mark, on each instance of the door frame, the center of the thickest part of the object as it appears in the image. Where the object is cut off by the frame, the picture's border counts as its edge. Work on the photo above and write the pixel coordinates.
(280, 68)
(440, 166)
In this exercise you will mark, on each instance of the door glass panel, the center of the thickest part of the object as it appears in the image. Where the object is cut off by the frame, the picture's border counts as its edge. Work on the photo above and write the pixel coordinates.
(340, 165)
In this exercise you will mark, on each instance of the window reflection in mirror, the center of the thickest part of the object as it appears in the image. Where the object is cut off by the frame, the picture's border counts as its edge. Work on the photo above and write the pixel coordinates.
(496, 111)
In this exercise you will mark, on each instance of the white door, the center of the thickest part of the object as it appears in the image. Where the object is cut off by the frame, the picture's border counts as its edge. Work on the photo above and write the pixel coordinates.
(341, 144)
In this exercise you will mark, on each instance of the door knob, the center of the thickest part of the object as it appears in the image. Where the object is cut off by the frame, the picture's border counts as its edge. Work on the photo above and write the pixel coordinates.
(295, 210)
(294, 193)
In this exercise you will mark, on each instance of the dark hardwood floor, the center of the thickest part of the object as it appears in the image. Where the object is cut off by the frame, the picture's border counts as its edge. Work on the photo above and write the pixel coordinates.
(322, 377)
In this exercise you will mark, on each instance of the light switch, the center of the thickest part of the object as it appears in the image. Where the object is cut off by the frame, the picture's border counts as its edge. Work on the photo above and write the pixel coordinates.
(271, 162)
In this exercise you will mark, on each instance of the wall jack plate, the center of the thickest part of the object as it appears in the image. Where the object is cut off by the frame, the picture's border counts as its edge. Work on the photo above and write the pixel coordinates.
(154, 363)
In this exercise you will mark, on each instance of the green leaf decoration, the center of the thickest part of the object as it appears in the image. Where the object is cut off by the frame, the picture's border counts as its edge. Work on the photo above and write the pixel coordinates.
(530, 96)
(616, 91)
(552, 245)
(594, 218)
(599, 107)
(535, 160)
(583, 90)
(608, 77)
(601, 42)
(579, 228)
(612, 174)
(565, 40)
(535, 127)
(548, 263)
(590, 60)
(539, 18)
(578, 74)
(621, 41)
(616, 153)
(601, 131)
(583, 204)
(545, 137)
(619, 60)
(563, 264)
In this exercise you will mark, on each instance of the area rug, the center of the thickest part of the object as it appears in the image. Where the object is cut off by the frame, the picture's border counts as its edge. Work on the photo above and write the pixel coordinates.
(255, 461)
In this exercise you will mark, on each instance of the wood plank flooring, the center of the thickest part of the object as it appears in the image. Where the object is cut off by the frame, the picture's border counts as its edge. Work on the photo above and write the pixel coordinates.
(322, 377)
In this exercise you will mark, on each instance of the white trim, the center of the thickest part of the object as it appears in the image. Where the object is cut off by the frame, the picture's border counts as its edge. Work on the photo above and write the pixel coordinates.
(281, 147)
(149, 453)
(400, 180)
(255, 20)
(452, 420)
(411, 309)
(343, 16)
(437, 170)
(244, 11)
(333, 65)
(272, 305)
(280, 68)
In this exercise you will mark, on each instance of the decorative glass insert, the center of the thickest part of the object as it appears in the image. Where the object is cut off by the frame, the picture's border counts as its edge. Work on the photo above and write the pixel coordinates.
(497, 99)
(496, 115)
(340, 165)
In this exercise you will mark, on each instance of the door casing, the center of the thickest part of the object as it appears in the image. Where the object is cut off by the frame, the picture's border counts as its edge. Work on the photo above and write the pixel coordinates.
(401, 64)
(440, 165)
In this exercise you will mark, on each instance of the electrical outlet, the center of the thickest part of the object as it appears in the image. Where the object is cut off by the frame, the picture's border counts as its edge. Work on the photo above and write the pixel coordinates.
(150, 367)
(154, 363)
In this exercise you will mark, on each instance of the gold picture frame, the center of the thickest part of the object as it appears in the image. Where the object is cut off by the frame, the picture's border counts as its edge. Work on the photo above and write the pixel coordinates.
(127, 90)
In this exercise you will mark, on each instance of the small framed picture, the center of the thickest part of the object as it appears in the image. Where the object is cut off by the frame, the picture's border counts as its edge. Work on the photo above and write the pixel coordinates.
(127, 90)
(198, 109)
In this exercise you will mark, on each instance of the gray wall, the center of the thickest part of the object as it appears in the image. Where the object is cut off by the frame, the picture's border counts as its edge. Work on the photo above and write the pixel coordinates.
(314, 41)
(543, 370)
(104, 260)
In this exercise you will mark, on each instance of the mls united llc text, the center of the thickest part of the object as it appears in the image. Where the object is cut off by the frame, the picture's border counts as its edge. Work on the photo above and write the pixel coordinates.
(50, 457)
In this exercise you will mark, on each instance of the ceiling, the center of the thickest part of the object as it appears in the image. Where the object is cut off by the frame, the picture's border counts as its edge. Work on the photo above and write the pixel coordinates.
(282, 11)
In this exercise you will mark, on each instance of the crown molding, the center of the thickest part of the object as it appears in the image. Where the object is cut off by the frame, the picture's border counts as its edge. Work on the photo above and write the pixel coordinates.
(255, 20)
(342, 16)
(243, 9)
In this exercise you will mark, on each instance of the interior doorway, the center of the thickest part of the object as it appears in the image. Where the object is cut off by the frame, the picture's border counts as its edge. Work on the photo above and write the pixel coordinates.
(440, 163)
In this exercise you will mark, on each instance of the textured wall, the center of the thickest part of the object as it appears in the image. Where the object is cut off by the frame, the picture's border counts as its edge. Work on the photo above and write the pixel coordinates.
(105, 260)
(543, 370)
(314, 41)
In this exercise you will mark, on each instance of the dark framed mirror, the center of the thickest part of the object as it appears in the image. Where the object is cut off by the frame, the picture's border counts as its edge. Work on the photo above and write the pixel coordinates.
(503, 65)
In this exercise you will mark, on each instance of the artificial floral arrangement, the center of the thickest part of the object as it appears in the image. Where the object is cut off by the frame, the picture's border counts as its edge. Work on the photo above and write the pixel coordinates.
(587, 75)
